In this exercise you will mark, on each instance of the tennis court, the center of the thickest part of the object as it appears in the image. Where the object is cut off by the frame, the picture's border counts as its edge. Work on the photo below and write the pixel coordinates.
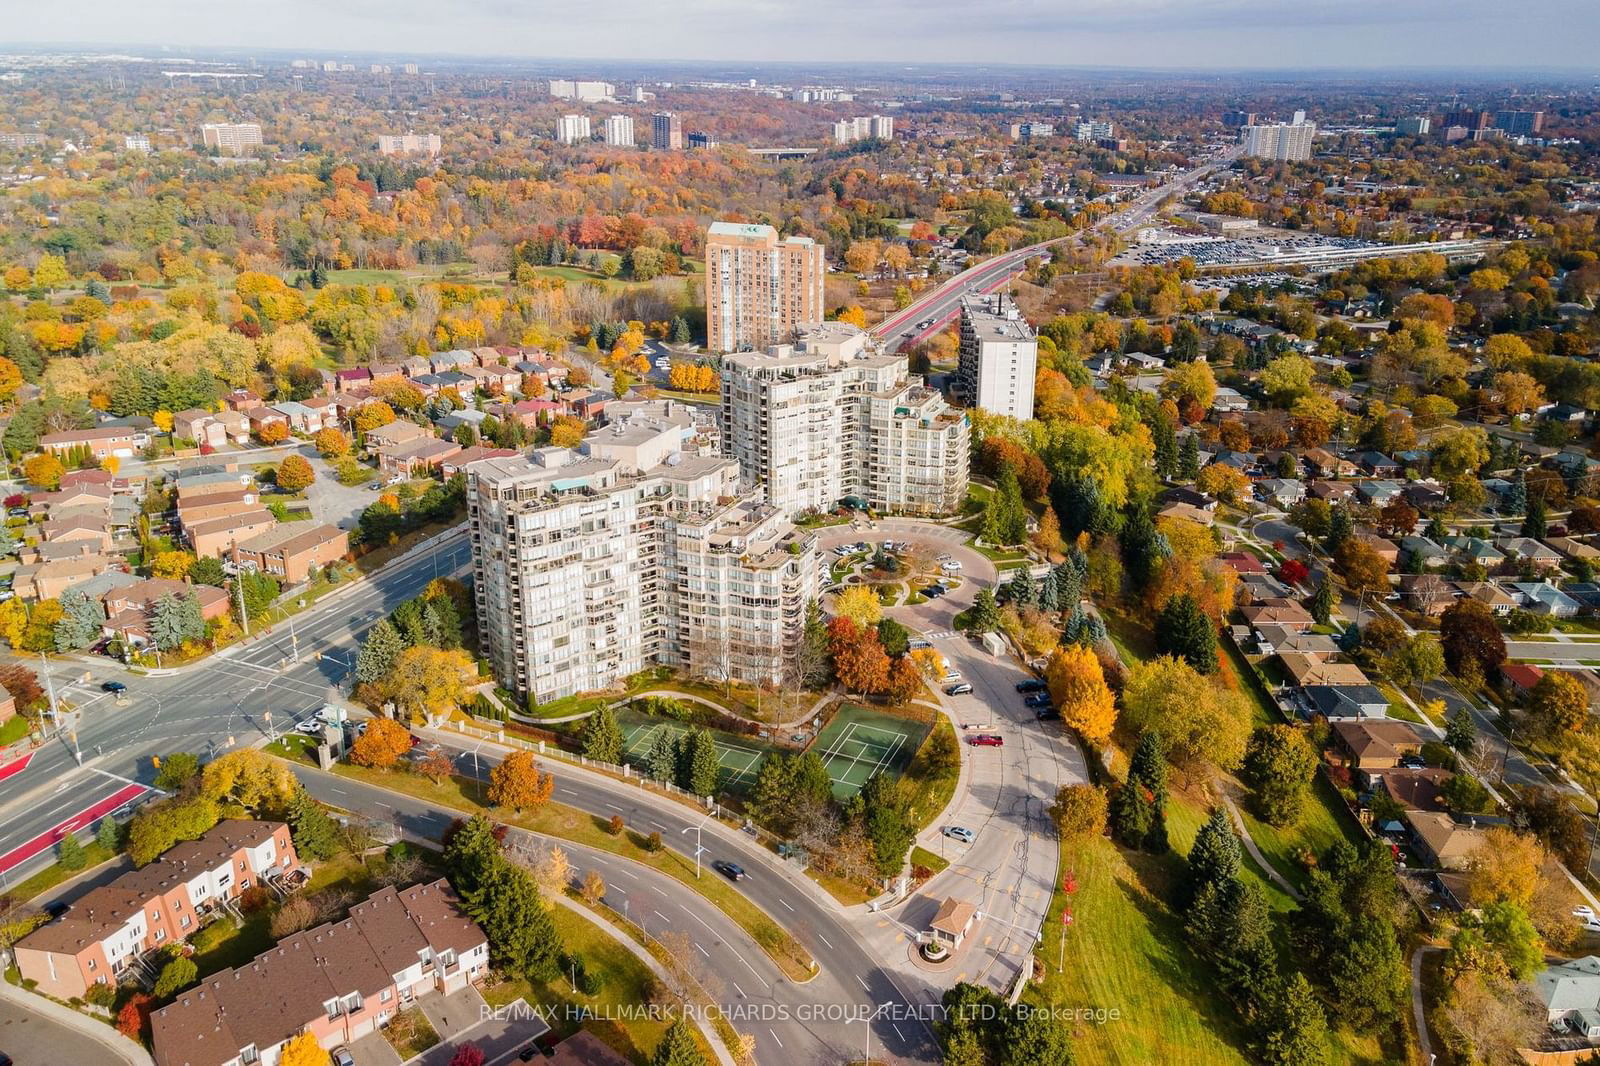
(738, 758)
(859, 743)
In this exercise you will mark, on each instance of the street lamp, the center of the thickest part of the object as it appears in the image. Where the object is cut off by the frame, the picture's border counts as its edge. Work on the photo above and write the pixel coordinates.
(697, 848)
(866, 1024)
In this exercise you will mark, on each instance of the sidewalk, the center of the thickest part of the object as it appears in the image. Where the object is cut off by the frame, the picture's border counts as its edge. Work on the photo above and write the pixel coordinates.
(118, 1048)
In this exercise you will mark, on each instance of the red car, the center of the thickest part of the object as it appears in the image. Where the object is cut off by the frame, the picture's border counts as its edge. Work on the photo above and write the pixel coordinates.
(987, 740)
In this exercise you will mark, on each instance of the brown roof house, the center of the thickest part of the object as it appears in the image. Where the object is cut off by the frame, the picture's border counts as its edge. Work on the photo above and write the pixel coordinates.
(1375, 744)
(291, 550)
(1279, 611)
(112, 926)
(952, 922)
(341, 980)
(217, 536)
(397, 432)
(1441, 841)
(425, 454)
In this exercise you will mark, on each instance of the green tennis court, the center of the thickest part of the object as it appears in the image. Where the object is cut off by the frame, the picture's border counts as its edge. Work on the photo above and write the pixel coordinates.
(738, 758)
(859, 743)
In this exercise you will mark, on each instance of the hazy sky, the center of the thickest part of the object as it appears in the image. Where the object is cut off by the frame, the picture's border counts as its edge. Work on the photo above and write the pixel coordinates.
(1529, 35)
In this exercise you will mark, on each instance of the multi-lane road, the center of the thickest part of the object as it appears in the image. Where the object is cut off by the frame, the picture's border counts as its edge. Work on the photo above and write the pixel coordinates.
(206, 708)
(935, 310)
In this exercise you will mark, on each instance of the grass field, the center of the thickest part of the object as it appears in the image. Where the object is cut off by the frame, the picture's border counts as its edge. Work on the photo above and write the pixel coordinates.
(738, 758)
(859, 743)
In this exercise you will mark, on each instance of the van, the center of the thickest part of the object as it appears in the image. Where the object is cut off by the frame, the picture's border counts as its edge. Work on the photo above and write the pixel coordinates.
(917, 643)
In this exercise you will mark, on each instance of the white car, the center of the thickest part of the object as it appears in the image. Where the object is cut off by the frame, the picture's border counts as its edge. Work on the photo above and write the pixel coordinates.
(952, 567)
(1586, 918)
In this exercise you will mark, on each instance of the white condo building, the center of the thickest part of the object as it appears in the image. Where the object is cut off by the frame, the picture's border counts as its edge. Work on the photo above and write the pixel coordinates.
(618, 131)
(570, 129)
(999, 356)
(879, 127)
(410, 144)
(232, 138)
(589, 92)
(1285, 140)
(834, 417)
(593, 563)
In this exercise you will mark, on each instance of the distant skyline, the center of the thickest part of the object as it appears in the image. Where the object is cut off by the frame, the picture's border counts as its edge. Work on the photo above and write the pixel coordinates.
(1186, 34)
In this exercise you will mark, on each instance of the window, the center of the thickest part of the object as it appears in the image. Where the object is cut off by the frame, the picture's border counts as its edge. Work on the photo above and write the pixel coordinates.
(332, 1007)
(161, 934)
(183, 922)
(91, 964)
(385, 997)
(353, 1002)
(248, 1055)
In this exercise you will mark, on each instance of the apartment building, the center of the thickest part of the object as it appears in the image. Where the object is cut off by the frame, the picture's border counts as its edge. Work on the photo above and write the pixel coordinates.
(591, 564)
(570, 129)
(1289, 141)
(1519, 123)
(874, 127)
(1032, 131)
(834, 417)
(588, 92)
(1086, 132)
(341, 980)
(290, 551)
(231, 138)
(999, 356)
(618, 131)
(112, 927)
(760, 290)
(666, 130)
(410, 144)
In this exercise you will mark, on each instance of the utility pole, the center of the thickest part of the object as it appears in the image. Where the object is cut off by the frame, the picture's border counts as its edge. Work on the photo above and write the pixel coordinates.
(238, 586)
(55, 710)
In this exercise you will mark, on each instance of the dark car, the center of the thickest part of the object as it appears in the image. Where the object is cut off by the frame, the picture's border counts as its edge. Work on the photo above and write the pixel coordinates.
(731, 870)
(57, 909)
(1412, 762)
(1032, 684)
(1047, 714)
(1038, 699)
(114, 686)
(958, 690)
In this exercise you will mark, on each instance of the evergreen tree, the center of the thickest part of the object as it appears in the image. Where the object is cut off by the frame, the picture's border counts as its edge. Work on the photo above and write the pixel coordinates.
(1534, 523)
(1295, 1027)
(82, 620)
(108, 834)
(1214, 858)
(1005, 519)
(1143, 547)
(1035, 1038)
(602, 737)
(1189, 458)
(522, 936)
(315, 833)
(70, 854)
(378, 652)
(984, 614)
(662, 761)
(677, 1047)
(1131, 815)
(680, 330)
(1461, 732)
(701, 763)
(1021, 590)
(1340, 526)
(1049, 593)
(1515, 500)
(1147, 781)
(1184, 631)
(1322, 602)
(471, 855)
(1166, 443)
(1246, 959)
(1069, 582)
(1368, 977)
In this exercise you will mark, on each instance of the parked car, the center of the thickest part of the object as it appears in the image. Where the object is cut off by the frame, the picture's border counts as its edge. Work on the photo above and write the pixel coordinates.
(950, 677)
(731, 870)
(951, 567)
(342, 1057)
(987, 740)
(1586, 918)
(1038, 699)
(917, 643)
(959, 832)
(958, 690)
(1412, 762)
(1047, 714)
(1032, 684)
(114, 687)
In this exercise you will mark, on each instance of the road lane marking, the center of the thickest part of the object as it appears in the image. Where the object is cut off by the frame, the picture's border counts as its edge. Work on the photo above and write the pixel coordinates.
(863, 983)
(825, 941)
(702, 951)
(658, 914)
(785, 904)
(775, 1037)
(613, 806)
(897, 1032)
(696, 917)
(739, 990)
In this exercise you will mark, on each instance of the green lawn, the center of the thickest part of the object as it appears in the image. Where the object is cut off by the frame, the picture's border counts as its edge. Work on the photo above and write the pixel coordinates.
(223, 945)
(53, 875)
(15, 728)
(928, 788)
(1323, 822)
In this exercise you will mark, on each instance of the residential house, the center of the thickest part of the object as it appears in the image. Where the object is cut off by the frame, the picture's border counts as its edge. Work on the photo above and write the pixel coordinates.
(1387, 550)
(1574, 550)
(395, 433)
(1243, 562)
(1284, 492)
(217, 536)
(1192, 497)
(202, 503)
(1286, 640)
(351, 378)
(84, 529)
(1541, 555)
(129, 608)
(1570, 992)
(49, 578)
(1227, 401)
(1425, 498)
(1376, 464)
(102, 442)
(1440, 840)
(290, 551)
(1520, 678)
(1475, 550)
(1302, 670)
(1332, 492)
(1379, 744)
(1324, 464)
(241, 400)
(341, 980)
(458, 463)
(1260, 588)
(1424, 553)
(1491, 596)
(1280, 612)
(1427, 594)
(111, 927)
(1188, 513)
(1413, 790)
(1335, 702)
(1541, 597)
(303, 419)
(261, 416)
(200, 426)
(1377, 493)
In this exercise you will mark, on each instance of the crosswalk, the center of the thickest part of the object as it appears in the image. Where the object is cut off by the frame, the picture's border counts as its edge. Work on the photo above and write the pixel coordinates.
(943, 634)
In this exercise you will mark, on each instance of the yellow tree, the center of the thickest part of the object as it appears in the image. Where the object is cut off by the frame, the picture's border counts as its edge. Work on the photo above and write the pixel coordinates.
(10, 379)
(518, 783)
(897, 257)
(1079, 689)
(862, 256)
(428, 680)
(49, 272)
(855, 316)
(163, 420)
(44, 470)
(369, 416)
(172, 565)
(331, 443)
(303, 1050)
(13, 620)
(566, 431)
(249, 777)
(859, 604)
(1519, 392)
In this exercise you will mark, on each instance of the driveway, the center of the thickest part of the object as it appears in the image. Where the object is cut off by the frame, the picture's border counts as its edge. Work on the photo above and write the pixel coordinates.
(463, 1018)
(333, 503)
(456, 1013)
(374, 1050)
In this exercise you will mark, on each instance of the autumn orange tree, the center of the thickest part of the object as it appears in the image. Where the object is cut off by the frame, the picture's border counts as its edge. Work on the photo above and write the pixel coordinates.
(859, 660)
(303, 1050)
(369, 416)
(330, 443)
(295, 473)
(383, 743)
(44, 470)
(518, 783)
(1078, 687)
(272, 433)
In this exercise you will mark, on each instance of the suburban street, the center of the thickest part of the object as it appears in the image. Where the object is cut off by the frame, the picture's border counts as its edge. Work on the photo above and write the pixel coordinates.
(207, 708)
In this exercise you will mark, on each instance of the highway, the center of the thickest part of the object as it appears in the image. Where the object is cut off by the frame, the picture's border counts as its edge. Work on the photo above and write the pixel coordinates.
(943, 304)
(205, 708)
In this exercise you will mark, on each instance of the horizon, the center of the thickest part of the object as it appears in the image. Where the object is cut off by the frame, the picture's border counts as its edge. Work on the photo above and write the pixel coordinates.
(1199, 36)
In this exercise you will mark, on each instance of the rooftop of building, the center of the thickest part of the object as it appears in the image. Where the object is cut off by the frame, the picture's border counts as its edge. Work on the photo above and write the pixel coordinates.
(995, 317)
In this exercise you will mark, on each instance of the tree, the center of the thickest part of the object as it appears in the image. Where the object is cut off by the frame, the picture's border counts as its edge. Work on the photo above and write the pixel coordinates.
(1506, 868)
(108, 834)
(1005, 520)
(70, 854)
(331, 443)
(171, 565)
(44, 471)
(1189, 458)
(1036, 1038)
(1078, 687)
(82, 620)
(133, 1022)
(1363, 568)
(602, 737)
(1461, 732)
(1296, 1027)
(383, 744)
(295, 473)
(1139, 809)
(662, 761)
(904, 682)
(1184, 631)
(859, 661)
(1198, 722)
(315, 833)
(984, 615)
(677, 1047)
(700, 762)
(177, 770)
(1468, 633)
(467, 1055)
(176, 619)
(1287, 378)
(1510, 933)
(1279, 765)
(179, 973)
(1534, 523)
(378, 652)
(207, 570)
(50, 273)
(1559, 703)
(1079, 812)
(518, 783)
(860, 605)
(1215, 857)
(1367, 975)
(886, 823)
(1322, 602)
(427, 681)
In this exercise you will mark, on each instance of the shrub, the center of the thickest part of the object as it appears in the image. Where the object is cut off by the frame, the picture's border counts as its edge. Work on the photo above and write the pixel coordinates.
(616, 825)
(653, 842)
